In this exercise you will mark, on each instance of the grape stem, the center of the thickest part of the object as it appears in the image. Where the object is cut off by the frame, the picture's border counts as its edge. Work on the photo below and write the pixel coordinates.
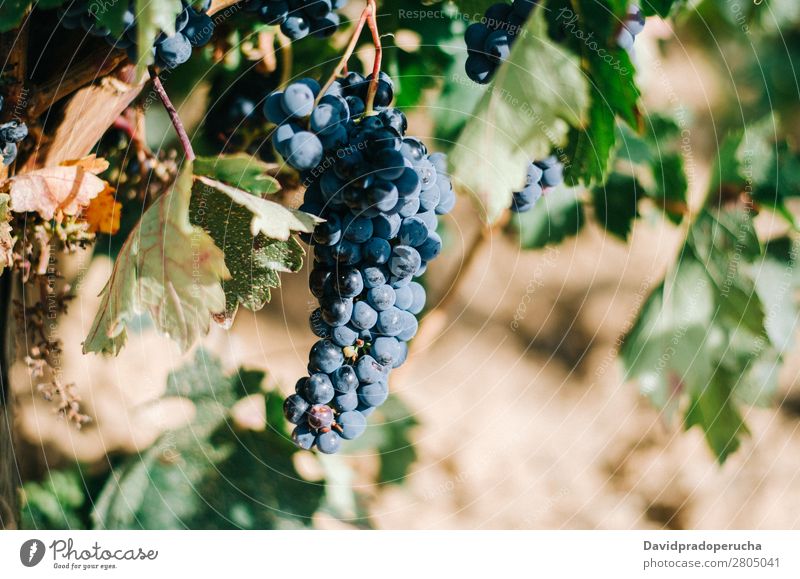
(351, 46)
(173, 115)
(372, 22)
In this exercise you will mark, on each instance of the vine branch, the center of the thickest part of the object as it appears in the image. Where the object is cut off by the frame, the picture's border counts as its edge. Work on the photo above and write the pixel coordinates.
(372, 22)
(351, 46)
(173, 115)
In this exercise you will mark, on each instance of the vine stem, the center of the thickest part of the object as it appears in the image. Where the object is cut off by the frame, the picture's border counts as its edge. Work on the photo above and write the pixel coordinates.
(372, 22)
(173, 115)
(351, 46)
(286, 58)
(471, 254)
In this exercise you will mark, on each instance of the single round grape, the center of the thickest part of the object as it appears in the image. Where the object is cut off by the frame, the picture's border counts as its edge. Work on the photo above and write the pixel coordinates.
(295, 27)
(320, 416)
(413, 231)
(329, 442)
(385, 350)
(374, 276)
(353, 424)
(381, 297)
(431, 247)
(364, 316)
(304, 437)
(358, 229)
(368, 370)
(348, 282)
(408, 207)
(318, 325)
(479, 68)
(403, 297)
(373, 394)
(344, 379)
(304, 150)
(347, 252)
(405, 261)
(199, 27)
(390, 321)
(377, 251)
(336, 311)
(295, 408)
(497, 46)
(408, 326)
(173, 51)
(386, 226)
(475, 36)
(298, 100)
(318, 389)
(345, 402)
(325, 356)
(418, 298)
(343, 336)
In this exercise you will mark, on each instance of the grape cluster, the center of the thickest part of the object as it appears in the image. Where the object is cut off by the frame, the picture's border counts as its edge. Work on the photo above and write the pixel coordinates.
(489, 41)
(299, 18)
(542, 175)
(631, 27)
(11, 133)
(192, 28)
(379, 192)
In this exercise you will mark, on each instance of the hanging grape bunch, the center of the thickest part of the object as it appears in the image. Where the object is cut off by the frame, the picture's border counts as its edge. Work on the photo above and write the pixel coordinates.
(489, 41)
(542, 176)
(379, 192)
(11, 133)
(192, 28)
(299, 18)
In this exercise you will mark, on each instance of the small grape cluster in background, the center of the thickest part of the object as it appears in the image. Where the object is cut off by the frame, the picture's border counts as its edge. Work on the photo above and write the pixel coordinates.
(193, 28)
(631, 27)
(380, 193)
(11, 133)
(489, 41)
(542, 175)
(299, 18)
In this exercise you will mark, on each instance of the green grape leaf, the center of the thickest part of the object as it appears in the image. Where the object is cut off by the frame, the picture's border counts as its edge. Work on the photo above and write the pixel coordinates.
(535, 96)
(389, 436)
(110, 15)
(254, 235)
(557, 215)
(54, 503)
(152, 18)
(167, 267)
(206, 475)
(714, 333)
(660, 7)
(713, 410)
(239, 170)
(12, 13)
(473, 8)
(616, 204)
(588, 150)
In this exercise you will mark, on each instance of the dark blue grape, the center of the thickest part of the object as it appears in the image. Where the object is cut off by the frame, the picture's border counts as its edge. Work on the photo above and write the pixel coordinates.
(364, 316)
(318, 389)
(329, 442)
(303, 437)
(325, 356)
(320, 416)
(295, 408)
(344, 379)
(353, 424)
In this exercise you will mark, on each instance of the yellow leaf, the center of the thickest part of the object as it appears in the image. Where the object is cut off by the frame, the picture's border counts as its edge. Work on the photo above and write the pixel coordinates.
(103, 212)
(62, 190)
(91, 163)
